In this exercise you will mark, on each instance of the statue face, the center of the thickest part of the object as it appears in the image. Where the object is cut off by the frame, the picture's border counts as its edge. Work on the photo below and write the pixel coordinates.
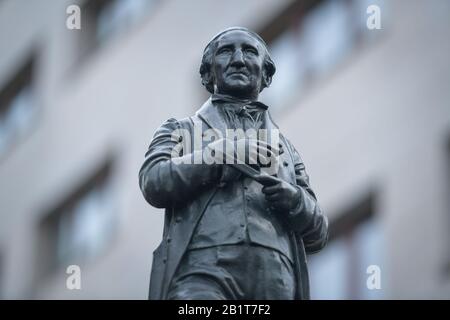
(238, 65)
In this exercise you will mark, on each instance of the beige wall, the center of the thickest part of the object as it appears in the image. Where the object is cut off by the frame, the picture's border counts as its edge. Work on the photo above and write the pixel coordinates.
(382, 119)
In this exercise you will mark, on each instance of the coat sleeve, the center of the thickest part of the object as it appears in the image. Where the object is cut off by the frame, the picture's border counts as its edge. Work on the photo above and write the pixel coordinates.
(165, 181)
(307, 217)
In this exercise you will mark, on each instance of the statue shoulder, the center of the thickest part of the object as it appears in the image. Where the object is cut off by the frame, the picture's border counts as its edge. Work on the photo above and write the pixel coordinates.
(166, 127)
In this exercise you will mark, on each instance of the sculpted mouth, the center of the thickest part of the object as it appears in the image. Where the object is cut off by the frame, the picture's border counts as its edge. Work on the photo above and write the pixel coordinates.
(238, 73)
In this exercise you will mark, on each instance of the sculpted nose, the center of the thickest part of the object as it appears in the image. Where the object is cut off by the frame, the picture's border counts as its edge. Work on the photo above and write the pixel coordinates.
(238, 59)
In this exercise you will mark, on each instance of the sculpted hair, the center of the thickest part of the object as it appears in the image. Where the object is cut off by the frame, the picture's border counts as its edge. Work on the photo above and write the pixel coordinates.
(207, 59)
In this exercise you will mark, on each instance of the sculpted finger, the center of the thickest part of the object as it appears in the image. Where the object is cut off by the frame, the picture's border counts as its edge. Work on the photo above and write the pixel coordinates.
(273, 197)
(271, 189)
(268, 180)
(272, 148)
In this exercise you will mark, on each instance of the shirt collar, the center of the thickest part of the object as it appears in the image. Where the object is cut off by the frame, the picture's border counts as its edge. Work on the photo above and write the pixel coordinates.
(236, 102)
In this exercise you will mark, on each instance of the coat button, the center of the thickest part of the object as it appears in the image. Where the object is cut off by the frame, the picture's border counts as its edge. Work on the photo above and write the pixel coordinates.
(180, 138)
(280, 147)
(285, 163)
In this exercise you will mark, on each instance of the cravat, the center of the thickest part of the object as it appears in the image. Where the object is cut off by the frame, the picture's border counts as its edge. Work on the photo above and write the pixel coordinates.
(250, 117)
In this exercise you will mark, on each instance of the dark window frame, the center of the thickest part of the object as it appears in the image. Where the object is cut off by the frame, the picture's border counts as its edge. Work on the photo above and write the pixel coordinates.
(344, 226)
(24, 76)
(48, 226)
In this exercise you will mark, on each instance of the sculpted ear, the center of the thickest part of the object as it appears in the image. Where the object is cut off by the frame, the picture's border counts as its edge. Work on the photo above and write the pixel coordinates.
(267, 72)
(208, 81)
(266, 78)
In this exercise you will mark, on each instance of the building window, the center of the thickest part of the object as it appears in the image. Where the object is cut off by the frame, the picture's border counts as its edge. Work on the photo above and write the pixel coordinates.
(104, 19)
(356, 242)
(17, 107)
(308, 41)
(80, 228)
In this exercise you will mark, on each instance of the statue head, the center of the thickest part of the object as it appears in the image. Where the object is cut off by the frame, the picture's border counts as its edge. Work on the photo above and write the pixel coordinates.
(236, 62)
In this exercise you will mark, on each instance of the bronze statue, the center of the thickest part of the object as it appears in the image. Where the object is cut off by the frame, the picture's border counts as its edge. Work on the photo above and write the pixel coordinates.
(240, 215)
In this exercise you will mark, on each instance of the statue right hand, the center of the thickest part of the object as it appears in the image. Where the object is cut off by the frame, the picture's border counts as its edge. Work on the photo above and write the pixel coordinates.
(249, 151)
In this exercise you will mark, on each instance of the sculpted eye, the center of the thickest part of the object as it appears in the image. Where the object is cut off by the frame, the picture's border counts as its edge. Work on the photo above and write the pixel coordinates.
(224, 50)
(251, 50)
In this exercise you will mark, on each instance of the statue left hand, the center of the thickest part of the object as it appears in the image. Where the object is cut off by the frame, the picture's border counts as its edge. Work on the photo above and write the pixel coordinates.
(281, 195)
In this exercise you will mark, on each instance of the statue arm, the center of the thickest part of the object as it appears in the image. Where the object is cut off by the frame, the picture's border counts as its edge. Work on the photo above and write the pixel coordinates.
(164, 181)
(307, 216)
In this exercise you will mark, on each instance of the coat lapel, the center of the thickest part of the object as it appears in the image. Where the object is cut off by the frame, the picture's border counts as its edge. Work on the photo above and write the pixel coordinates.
(212, 116)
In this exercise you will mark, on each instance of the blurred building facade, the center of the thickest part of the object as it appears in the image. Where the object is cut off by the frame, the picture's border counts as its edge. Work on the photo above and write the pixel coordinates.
(369, 111)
